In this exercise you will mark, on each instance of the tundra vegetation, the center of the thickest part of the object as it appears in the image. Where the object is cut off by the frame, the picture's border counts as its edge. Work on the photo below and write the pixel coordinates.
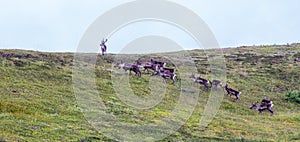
(37, 102)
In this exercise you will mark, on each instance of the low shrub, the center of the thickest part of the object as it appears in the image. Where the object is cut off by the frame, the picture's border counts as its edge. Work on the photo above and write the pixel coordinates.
(293, 96)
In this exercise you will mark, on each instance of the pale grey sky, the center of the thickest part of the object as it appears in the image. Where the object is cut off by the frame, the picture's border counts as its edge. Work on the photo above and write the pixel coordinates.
(58, 25)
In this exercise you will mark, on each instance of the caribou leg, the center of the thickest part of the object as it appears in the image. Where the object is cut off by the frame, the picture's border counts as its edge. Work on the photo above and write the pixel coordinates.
(206, 86)
(174, 81)
(271, 111)
(237, 98)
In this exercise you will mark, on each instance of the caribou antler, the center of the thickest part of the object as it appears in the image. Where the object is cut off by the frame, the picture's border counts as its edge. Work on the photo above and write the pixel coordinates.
(104, 41)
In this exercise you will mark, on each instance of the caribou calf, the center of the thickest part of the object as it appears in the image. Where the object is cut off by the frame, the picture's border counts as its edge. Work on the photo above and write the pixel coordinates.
(265, 105)
(201, 81)
(232, 92)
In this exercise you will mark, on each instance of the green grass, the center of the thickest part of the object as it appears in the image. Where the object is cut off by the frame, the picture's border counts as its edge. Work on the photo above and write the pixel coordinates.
(38, 102)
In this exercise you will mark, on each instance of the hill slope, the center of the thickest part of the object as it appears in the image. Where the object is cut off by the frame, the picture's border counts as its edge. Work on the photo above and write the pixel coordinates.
(38, 102)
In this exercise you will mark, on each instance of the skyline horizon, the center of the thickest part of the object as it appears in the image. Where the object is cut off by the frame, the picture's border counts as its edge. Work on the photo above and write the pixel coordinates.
(240, 46)
(58, 25)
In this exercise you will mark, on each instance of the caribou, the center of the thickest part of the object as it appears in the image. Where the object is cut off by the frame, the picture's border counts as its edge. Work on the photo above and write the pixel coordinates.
(135, 69)
(130, 67)
(167, 74)
(167, 69)
(265, 105)
(231, 91)
(156, 66)
(200, 80)
(147, 66)
(161, 64)
(103, 46)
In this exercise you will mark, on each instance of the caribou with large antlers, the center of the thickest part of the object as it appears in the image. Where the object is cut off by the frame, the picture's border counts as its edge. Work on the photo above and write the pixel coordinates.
(103, 46)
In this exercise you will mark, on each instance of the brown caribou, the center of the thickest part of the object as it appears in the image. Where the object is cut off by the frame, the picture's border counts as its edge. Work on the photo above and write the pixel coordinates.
(231, 91)
(200, 80)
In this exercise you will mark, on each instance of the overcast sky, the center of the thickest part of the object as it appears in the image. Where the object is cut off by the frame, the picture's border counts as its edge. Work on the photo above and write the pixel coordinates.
(58, 25)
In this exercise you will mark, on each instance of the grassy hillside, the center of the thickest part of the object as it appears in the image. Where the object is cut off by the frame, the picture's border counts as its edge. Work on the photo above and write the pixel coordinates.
(37, 101)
